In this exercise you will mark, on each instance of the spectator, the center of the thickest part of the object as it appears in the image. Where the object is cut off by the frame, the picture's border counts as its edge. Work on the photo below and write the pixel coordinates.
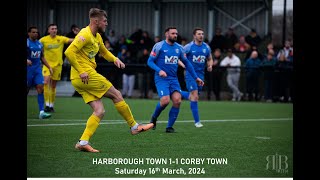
(267, 66)
(253, 48)
(232, 63)
(252, 66)
(218, 41)
(282, 78)
(146, 44)
(253, 39)
(135, 44)
(147, 82)
(269, 48)
(112, 38)
(107, 44)
(128, 76)
(287, 50)
(216, 75)
(122, 41)
(74, 30)
(242, 46)
(231, 38)
(146, 41)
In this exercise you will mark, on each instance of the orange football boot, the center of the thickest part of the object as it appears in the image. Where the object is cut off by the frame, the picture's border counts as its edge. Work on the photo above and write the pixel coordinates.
(86, 148)
(142, 128)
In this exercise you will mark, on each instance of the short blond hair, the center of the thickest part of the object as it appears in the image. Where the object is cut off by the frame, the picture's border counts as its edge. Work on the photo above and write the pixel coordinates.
(95, 12)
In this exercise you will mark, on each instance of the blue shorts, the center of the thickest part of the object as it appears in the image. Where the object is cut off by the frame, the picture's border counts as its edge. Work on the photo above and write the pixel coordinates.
(192, 85)
(34, 76)
(167, 86)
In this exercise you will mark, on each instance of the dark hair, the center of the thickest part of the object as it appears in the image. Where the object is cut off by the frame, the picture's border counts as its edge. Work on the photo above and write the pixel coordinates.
(197, 29)
(31, 27)
(230, 50)
(168, 28)
(47, 31)
(73, 26)
(95, 12)
(51, 25)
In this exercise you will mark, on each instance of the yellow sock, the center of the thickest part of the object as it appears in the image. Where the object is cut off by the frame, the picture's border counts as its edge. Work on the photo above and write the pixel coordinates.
(46, 94)
(125, 112)
(91, 127)
(53, 95)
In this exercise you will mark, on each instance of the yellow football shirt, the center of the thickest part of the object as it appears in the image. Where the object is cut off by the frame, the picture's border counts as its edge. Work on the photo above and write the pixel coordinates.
(86, 46)
(53, 49)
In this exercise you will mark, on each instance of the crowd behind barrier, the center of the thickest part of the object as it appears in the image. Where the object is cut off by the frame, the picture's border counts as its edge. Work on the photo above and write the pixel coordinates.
(265, 72)
(274, 83)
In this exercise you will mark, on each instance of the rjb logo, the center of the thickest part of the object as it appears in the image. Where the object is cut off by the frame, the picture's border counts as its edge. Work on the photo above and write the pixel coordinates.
(35, 54)
(198, 59)
(277, 163)
(171, 59)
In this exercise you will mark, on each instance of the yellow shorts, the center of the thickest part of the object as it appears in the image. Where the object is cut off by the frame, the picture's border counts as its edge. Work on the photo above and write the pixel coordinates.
(97, 86)
(56, 72)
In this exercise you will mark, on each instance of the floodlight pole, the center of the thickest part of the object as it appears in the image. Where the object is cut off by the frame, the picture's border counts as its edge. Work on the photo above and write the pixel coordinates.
(284, 22)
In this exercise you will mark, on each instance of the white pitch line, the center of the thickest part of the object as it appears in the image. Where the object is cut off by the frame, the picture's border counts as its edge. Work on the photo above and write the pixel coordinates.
(181, 121)
(262, 137)
(73, 120)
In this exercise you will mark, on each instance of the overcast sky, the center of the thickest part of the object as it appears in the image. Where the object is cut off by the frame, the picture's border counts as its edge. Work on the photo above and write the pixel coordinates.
(278, 5)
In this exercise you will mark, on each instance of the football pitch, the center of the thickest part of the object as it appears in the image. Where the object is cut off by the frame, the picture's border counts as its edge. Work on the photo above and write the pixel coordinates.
(238, 139)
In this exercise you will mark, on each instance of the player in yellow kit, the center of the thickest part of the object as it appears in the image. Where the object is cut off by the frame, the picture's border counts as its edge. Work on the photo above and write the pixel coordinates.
(91, 85)
(53, 49)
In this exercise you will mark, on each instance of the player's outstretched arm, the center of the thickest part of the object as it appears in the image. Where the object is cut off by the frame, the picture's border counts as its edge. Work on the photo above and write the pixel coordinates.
(107, 55)
(119, 63)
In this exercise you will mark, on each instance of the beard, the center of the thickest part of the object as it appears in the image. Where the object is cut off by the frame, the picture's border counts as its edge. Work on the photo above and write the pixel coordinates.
(101, 29)
(172, 40)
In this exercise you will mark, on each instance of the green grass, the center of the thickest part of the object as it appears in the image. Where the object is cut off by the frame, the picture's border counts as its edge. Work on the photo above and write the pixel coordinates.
(51, 142)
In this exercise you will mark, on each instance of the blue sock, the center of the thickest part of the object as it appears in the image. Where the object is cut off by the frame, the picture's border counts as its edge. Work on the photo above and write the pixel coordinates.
(41, 101)
(173, 114)
(194, 109)
(158, 110)
(185, 95)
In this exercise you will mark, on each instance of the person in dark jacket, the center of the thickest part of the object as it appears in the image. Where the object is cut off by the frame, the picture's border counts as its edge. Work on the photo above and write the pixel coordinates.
(267, 67)
(252, 67)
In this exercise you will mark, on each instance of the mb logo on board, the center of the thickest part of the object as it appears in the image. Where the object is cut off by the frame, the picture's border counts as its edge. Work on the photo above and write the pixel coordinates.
(277, 162)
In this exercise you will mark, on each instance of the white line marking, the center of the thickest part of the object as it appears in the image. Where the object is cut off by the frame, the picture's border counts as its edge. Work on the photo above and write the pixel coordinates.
(262, 137)
(181, 121)
(73, 120)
